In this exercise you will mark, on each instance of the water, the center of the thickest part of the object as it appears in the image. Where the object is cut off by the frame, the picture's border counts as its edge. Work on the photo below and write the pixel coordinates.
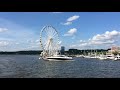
(29, 66)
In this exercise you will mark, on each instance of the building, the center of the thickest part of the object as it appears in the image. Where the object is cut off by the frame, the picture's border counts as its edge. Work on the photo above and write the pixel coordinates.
(114, 49)
(62, 50)
(118, 49)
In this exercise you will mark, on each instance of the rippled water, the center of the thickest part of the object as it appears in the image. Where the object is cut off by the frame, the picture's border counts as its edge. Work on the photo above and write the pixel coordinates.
(29, 66)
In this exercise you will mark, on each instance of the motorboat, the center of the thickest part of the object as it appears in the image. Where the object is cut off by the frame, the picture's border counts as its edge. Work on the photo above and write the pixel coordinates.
(117, 57)
(102, 57)
(58, 58)
(110, 56)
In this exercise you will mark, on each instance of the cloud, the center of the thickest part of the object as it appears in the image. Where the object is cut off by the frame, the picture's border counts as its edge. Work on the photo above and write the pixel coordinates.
(3, 30)
(75, 17)
(82, 41)
(17, 37)
(67, 23)
(71, 32)
(37, 40)
(17, 43)
(70, 20)
(14, 30)
(101, 42)
(106, 39)
(3, 43)
(107, 36)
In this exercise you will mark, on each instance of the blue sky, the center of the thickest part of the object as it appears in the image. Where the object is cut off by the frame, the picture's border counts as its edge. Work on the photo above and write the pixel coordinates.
(81, 30)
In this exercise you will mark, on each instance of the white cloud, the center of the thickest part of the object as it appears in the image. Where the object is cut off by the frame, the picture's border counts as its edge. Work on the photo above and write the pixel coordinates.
(101, 42)
(17, 37)
(71, 32)
(17, 43)
(82, 41)
(37, 40)
(3, 30)
(83, 44)
(75, 17)
(3, 43)
(107, 36)
(70, 20)
(106, 39)
(67, 23)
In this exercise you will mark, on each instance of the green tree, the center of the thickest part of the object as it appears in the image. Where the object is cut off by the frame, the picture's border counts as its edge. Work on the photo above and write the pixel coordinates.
(115, 53)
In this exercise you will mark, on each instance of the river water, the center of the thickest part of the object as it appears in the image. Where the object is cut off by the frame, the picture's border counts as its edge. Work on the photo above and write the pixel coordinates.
(29, 66)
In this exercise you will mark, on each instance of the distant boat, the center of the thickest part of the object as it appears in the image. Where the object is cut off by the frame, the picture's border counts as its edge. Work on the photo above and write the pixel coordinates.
(111, 56)
(102, 57)
(82, 56)
(117, 57)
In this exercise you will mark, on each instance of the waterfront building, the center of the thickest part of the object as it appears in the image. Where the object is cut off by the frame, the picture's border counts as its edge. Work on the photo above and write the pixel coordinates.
(62, 50)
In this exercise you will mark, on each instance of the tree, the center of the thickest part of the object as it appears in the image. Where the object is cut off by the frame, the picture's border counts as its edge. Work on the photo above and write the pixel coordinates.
(115, 53)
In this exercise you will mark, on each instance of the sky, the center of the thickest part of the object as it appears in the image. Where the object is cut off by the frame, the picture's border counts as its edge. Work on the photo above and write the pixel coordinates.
(78, 30)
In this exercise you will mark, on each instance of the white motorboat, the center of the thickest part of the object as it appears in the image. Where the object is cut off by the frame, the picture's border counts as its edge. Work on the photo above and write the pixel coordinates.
(110, 57)
(102, 57)
(117, 57)
(86, 56)
(58, 58)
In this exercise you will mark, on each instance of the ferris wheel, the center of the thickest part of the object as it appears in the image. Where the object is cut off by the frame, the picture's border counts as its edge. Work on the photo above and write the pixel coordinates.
(49, 41)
